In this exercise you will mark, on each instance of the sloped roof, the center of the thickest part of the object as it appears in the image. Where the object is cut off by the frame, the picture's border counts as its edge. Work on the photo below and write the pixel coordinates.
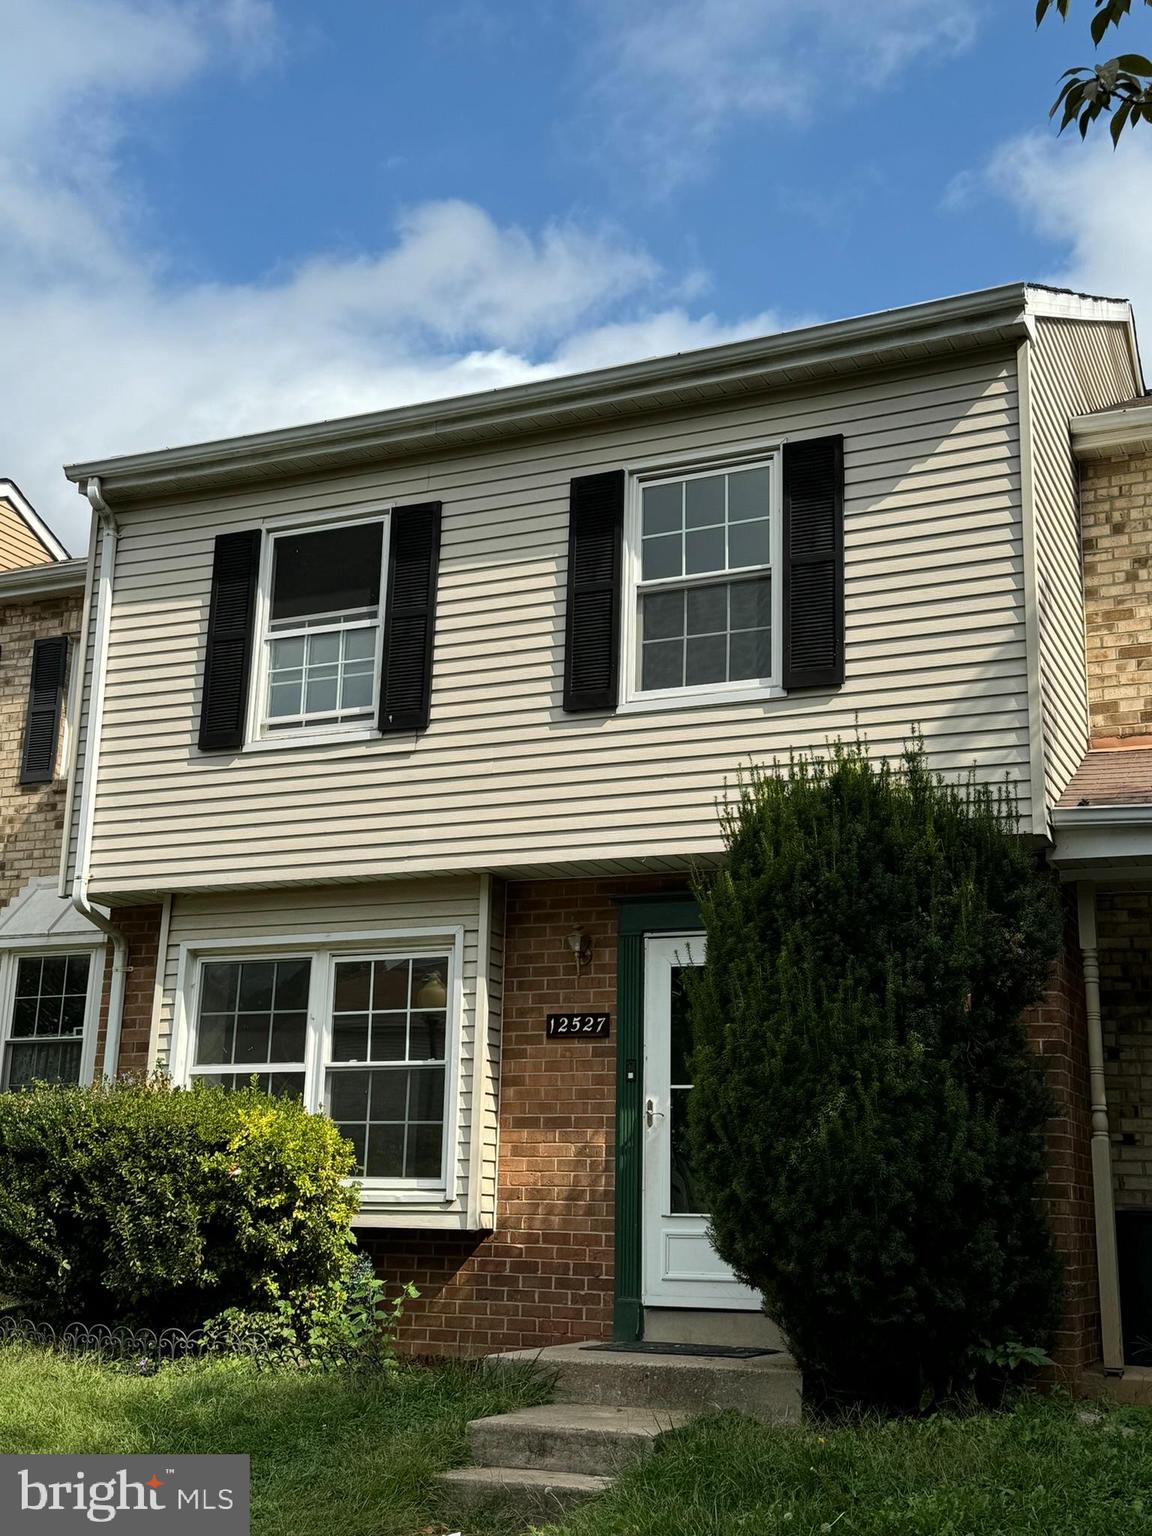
(26, 512)
(1114, 776)
(38, 912)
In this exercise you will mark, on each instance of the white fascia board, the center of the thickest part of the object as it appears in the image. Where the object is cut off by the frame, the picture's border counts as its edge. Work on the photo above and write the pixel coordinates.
(11, 493)
(1056, 304)
(31, 581)
(1102, 841)
(973, 319)
(1112, 431)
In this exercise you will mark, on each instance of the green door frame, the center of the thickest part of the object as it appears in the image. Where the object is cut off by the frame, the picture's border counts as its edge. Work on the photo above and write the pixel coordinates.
(637, 916)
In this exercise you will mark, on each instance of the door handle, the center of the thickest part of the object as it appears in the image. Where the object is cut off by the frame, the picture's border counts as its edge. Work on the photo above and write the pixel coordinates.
(652, 1114)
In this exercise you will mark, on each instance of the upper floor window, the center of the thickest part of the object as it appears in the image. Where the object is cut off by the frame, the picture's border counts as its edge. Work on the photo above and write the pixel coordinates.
(703, 550)
(321, 632)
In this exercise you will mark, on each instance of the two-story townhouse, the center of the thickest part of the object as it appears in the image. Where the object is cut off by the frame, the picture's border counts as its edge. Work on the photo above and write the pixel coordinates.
(402, 733)
(52, 960)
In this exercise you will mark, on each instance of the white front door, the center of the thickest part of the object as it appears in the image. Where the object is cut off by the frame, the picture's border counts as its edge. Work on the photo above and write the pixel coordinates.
(681, 1268)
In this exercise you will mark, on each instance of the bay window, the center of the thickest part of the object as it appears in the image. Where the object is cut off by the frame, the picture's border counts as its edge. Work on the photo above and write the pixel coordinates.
(363, 1032)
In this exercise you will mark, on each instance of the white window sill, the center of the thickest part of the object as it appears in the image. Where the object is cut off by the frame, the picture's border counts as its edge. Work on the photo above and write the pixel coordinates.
(447, 1216)
(312, 739)
(702, 698)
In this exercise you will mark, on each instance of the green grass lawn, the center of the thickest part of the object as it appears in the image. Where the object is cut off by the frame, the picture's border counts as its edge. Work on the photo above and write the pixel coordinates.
(332, 1454)
(1039, 1469)
(346, 1455)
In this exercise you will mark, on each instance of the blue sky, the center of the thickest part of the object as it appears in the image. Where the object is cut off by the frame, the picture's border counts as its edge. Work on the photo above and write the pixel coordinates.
(223, 215)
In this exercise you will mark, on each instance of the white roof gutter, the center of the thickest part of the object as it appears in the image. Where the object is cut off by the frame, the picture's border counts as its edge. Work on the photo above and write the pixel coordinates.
(996, 315)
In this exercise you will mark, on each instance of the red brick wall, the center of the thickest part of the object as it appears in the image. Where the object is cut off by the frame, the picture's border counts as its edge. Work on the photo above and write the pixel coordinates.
(141, 927)
(1058, 1030)
(545, 1276)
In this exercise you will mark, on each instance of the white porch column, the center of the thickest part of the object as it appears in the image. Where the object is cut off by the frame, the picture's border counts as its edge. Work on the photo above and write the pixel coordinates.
(1101, 1144)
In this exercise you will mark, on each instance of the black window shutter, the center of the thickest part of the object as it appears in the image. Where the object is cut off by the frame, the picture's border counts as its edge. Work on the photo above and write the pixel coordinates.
(410, 617)
(45, 702)
(228, 659)
(813, 576)
(592, 624)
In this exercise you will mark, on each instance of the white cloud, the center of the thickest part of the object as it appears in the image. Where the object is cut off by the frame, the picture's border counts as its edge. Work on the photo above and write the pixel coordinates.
(106, 354)
(671, 76)
(1090, 201)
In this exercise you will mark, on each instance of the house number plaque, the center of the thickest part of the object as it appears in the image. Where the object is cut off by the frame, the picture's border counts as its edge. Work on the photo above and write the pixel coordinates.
(578, 1026)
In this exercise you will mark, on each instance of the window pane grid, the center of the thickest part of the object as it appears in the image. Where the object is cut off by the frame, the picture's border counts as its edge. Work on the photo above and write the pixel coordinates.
(707, 524)
(322, 629)
(385, 1079)
(46, 1027)
(714, 633)
(386, 1073)
(252, 1018)
(324, 674)
(694, 628)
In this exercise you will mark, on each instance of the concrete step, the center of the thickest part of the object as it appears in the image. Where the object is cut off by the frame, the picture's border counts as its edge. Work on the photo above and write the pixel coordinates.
(766, 1387)
(570, 1437)
(520, 1492)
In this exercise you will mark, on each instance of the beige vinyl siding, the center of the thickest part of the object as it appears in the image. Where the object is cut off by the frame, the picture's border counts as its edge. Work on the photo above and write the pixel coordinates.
(310, 915)
(1074, 367)
(503, 779)
(19, 546)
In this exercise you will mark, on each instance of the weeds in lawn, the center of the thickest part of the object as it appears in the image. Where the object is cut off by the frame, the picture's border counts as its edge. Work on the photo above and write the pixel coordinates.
(332, 1452)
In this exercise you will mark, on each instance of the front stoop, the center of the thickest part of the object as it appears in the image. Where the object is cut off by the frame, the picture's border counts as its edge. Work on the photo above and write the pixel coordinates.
(610, 1410)
(766, 1387)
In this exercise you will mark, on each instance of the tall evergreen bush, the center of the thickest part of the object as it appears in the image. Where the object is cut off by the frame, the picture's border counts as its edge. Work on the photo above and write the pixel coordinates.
(867, 1120)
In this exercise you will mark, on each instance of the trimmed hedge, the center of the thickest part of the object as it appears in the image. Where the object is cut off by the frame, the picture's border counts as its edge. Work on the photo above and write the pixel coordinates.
(136, 1201)
(868, 1120)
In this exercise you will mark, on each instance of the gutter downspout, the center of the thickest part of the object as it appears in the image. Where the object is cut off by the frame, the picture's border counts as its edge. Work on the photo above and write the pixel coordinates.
(1103, 1202)
(109, 532)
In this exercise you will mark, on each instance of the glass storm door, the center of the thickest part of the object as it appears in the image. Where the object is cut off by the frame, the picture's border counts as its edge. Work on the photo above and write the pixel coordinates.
(681, 1268)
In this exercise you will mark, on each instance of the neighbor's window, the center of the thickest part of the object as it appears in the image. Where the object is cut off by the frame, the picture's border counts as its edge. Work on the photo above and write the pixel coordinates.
(378, 1064)
(322, 630)
(45, 1036)
(704, 580)
(385, 1074)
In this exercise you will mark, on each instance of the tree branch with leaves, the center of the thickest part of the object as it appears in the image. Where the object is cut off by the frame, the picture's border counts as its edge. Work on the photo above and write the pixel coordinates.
(1120, 88)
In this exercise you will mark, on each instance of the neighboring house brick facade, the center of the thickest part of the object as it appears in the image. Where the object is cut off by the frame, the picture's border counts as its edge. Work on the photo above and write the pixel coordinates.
(1116, 496)
(52, 960)
(31, 815)
(511, 833)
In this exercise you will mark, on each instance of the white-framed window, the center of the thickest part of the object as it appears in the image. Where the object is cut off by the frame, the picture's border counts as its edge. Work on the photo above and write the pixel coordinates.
(49, 1005)
(320, 611)
(364, 1029)
(702, 548)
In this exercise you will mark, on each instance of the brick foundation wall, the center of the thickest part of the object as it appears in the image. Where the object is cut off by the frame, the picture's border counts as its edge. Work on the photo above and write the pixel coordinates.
(141, 927)
(32, 816)
(1124, 928)
(1058, 1031)
(1116, 503)
(545, 1276)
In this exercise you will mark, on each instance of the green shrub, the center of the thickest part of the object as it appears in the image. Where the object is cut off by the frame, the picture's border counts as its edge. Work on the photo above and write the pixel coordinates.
(346, 1321)
(136, 1201)
(868, 1120)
